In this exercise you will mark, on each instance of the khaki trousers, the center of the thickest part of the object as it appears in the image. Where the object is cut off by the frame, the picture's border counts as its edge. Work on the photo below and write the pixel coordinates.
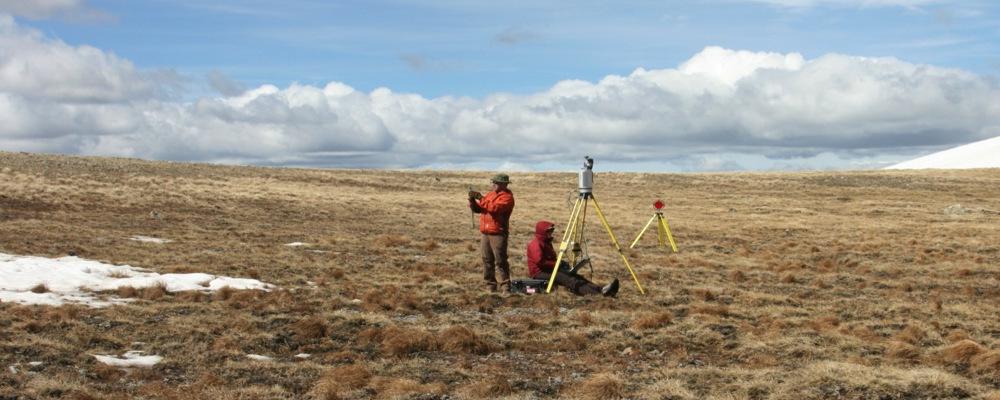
(494, 248)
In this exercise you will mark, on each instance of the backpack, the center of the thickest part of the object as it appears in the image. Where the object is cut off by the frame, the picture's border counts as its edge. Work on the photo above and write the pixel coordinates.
(528, 286)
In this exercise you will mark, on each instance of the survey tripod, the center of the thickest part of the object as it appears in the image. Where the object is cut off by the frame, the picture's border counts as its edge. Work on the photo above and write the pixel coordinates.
(573, 233)
(662, 228)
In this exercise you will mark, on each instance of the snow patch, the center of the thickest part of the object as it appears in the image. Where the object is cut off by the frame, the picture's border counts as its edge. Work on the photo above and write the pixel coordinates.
(72, 279)
(981, 154)
(303, 355)
(296, 244)
(258, 357)
(147, 239)
(133, 358)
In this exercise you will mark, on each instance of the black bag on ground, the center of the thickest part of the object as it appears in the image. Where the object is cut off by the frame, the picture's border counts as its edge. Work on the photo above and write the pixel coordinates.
(528, 286)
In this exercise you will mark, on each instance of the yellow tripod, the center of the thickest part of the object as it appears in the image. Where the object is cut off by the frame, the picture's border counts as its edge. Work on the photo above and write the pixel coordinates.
(573, 235)
(662, 231)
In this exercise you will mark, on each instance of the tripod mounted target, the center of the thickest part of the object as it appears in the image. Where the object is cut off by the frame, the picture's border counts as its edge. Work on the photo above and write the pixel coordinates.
(662, 227)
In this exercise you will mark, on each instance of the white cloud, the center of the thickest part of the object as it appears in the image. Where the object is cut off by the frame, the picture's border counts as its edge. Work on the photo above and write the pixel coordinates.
(720, 101)
(38, 68)
(76, 10)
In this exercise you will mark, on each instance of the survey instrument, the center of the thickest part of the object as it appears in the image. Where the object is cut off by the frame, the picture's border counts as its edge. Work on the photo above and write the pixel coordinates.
(573, 236)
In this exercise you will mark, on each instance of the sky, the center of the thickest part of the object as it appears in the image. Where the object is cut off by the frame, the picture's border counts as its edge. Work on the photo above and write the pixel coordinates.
(717, 85)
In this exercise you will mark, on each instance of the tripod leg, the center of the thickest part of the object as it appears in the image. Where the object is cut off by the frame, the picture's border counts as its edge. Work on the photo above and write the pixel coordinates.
(642, 232)
(666, 227)
(578, 244)
(564, 244)
(660, 233)
(614, 240)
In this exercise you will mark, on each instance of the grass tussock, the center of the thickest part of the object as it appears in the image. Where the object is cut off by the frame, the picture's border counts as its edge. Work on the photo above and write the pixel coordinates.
(191, 296)
(912, 334)
(403, 388)
(397, 341)
(600, 387)
(128, 292)
(961, 352)
(40, 288)
(488, 388)
(987, 363)
(956, 335)
(671, 389)
(224, 293)
(902, 351)
(336, 383)
(392, 241)
(652, 321)
(462, 340)
(720, 310)
(154, 292)
(826, 323)
(310, 328)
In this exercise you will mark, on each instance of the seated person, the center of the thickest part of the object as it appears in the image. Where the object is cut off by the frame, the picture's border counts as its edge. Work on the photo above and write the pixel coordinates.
(542, 257)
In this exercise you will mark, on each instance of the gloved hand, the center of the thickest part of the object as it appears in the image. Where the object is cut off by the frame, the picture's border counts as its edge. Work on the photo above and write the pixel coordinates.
(474, 195)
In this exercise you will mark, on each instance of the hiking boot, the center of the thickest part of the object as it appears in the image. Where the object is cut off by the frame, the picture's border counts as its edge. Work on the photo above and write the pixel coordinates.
(611, 289)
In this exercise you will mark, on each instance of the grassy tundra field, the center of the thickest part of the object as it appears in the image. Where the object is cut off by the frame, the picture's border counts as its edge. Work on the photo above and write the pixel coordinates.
(847, 285)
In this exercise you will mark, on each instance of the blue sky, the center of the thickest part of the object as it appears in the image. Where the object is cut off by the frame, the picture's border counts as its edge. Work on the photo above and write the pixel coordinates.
(191, 56)
(476, 48)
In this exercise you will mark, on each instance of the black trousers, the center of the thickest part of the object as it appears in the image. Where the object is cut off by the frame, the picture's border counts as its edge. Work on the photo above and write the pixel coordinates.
(576, 283)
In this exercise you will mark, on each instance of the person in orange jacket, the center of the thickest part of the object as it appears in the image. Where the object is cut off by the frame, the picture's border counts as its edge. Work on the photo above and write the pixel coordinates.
(494, 208)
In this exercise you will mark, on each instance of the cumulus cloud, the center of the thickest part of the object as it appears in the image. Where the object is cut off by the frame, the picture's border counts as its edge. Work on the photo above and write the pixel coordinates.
(33, 66)
(76, 10)
(721, 109)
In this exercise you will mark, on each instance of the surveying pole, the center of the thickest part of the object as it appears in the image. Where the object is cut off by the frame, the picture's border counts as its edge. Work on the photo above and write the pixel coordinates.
(573, 233)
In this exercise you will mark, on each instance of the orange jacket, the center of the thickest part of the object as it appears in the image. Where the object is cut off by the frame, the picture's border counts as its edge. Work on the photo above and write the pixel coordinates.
(495, 208)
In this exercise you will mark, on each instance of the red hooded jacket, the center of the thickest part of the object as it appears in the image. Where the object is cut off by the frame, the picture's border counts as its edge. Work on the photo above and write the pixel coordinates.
(541, 255)
(495, 208)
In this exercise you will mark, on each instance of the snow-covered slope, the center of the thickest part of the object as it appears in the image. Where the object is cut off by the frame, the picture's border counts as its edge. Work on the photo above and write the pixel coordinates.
(981, 154)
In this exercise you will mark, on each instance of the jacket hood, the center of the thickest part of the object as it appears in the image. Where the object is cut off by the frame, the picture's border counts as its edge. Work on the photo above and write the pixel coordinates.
(541, 227)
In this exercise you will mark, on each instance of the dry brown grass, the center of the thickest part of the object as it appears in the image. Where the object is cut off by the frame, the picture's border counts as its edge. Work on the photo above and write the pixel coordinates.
(961, 352)
(310, 328)
(155, 292)
(911, 334)
(337, 382)
(462, 340)
(787, 286)
(488, 388)
(987, 363)
(902, 351)
(599, 387)
(652, 321)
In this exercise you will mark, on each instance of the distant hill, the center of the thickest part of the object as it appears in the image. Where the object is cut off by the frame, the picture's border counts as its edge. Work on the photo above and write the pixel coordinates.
(981, 154)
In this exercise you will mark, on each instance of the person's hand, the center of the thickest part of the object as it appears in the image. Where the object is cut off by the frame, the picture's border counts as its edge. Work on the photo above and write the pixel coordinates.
(474, 195)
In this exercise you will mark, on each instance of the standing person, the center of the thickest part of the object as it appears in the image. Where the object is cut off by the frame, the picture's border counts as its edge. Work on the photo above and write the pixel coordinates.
(494, 208)
(542, 257)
